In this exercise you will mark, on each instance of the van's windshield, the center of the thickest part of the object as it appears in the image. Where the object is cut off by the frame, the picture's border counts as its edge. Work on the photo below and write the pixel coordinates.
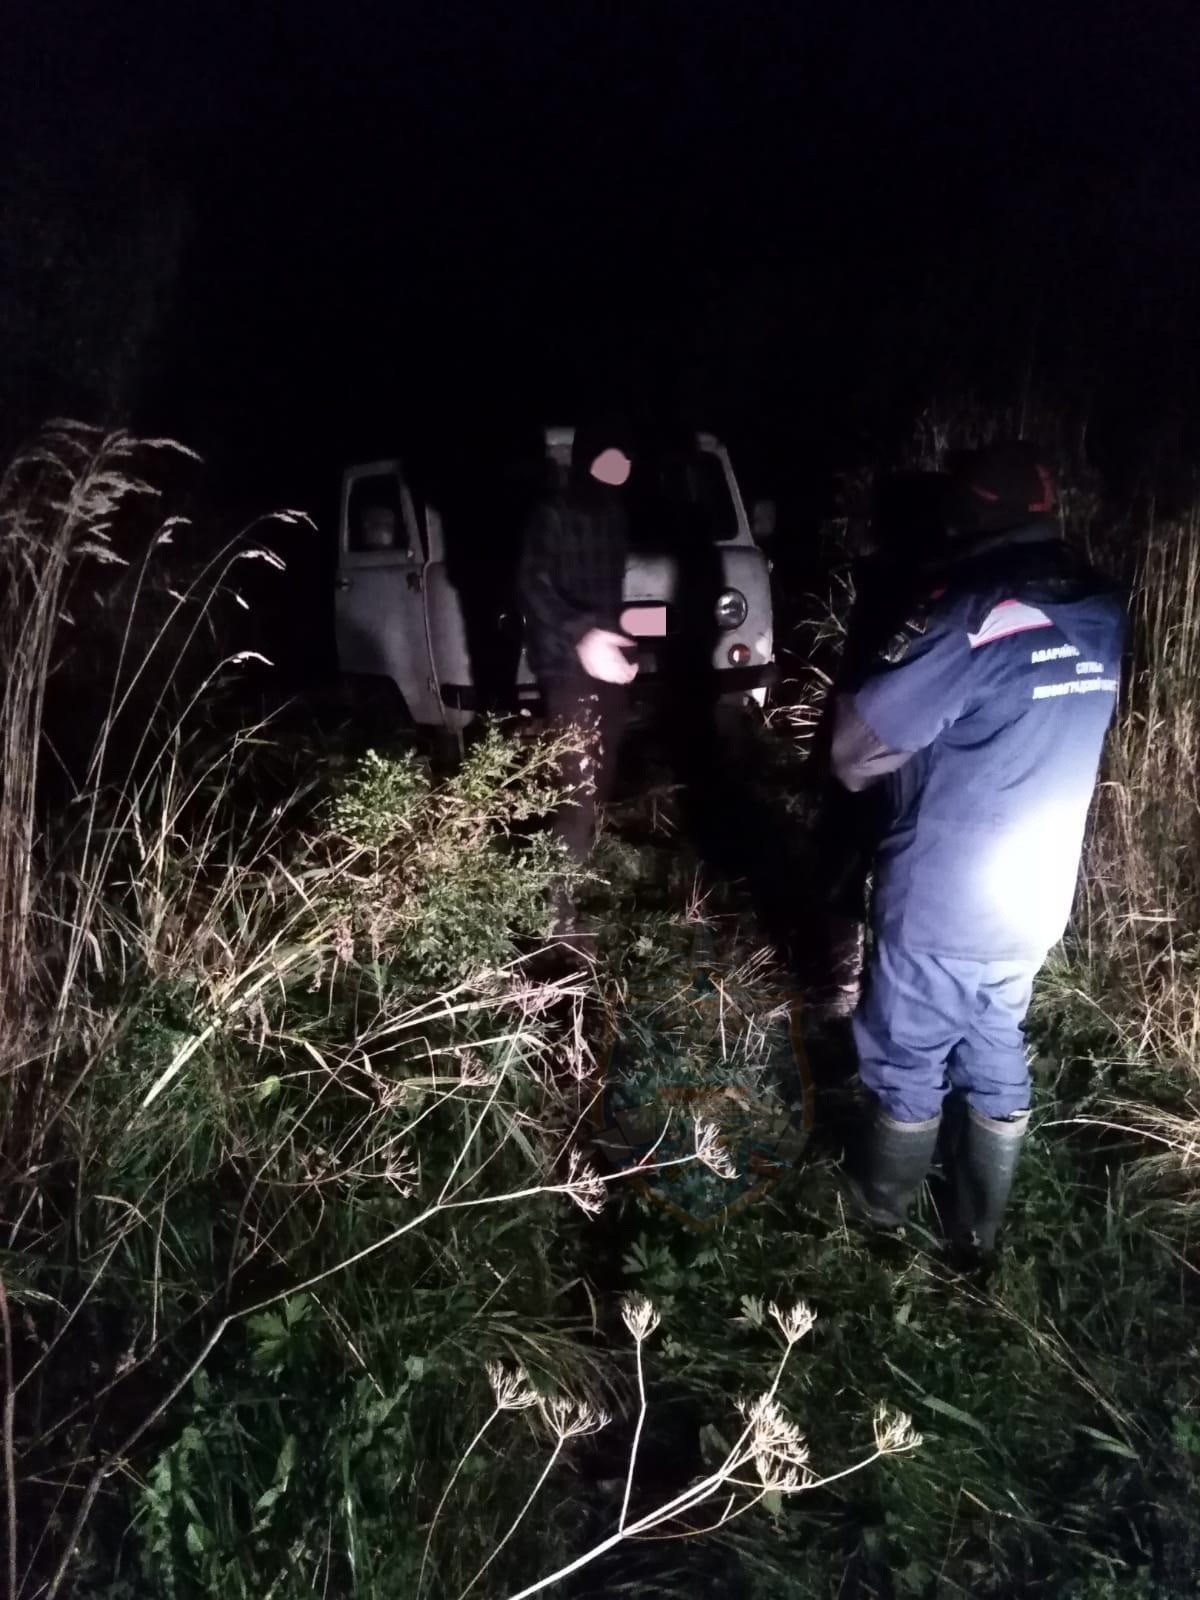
(679, 499)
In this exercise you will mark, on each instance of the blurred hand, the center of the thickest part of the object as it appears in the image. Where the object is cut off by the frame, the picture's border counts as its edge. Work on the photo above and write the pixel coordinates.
(602, 655)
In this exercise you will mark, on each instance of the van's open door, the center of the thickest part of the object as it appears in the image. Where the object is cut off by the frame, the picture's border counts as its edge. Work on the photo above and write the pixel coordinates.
(379, 606)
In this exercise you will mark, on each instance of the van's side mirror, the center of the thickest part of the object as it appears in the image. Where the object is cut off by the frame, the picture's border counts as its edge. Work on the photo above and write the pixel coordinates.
(762, 521)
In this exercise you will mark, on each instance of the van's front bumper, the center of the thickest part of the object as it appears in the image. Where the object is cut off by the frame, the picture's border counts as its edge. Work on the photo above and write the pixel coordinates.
(647, 686)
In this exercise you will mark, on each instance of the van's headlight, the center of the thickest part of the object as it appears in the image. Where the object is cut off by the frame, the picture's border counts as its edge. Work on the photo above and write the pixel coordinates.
(731, 609)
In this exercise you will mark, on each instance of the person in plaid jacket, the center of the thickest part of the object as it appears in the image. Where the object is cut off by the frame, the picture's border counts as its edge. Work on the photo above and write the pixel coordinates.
(570, 584)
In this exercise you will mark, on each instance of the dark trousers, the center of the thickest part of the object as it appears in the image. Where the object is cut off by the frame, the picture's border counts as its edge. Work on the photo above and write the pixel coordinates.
(600, 711)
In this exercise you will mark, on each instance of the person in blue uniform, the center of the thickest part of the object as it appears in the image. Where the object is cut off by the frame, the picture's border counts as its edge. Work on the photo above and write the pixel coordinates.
(983, 720)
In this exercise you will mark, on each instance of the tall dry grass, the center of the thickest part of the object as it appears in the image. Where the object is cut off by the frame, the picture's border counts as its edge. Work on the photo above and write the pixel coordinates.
(1134, 956)
(222, 1079)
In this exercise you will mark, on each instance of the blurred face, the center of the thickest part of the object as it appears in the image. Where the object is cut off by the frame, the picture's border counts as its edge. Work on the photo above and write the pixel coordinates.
(611, 467)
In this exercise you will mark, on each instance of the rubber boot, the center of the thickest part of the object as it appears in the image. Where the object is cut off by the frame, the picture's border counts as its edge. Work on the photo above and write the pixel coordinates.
(985, 1159)
(892, 1166)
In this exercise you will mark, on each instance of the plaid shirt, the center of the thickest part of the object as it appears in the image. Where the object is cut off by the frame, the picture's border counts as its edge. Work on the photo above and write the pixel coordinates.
(571, 579)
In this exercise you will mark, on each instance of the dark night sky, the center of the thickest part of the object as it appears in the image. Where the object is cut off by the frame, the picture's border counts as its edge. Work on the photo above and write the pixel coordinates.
(789, 221)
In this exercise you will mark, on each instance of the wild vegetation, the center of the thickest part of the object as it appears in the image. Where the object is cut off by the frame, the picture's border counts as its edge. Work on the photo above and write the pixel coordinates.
(309, 1280)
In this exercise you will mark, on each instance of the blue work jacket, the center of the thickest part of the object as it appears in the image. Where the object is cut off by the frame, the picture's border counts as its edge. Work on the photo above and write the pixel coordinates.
(985, 717)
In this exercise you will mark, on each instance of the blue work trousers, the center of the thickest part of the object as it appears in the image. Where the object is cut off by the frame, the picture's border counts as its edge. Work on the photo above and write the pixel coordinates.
(928, 1024)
